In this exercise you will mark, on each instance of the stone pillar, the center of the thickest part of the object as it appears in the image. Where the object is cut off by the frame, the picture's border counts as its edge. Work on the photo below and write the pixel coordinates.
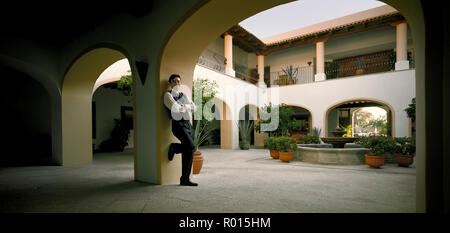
(261, 70)
(229, 55)
(229, 130)
(402, 62)
(320, 59)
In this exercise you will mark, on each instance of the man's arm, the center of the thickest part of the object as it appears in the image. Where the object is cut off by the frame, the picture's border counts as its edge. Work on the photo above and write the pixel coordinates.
(190, 106)
(172, 105)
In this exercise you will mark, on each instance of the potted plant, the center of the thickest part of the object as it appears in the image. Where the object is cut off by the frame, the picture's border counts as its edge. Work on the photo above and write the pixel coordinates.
(200, 136)
(286, 148)
(270, 143)
(118, 138)
(359, 67)
(291, 73)
(245, 129)
(404, 151)
(207, 90)
(378, 145)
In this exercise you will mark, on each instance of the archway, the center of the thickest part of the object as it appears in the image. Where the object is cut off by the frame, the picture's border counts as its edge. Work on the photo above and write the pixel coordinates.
(77, 89)
(112, 109)
(304, 118)
(26, 119)
(342, 115)
(191, 36)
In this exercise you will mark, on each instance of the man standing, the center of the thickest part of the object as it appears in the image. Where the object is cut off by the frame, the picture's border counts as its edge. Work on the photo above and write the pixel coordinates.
(179, 106)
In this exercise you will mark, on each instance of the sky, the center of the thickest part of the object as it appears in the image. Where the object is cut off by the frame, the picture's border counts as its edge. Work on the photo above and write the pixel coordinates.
(376, 111)
(298, 14)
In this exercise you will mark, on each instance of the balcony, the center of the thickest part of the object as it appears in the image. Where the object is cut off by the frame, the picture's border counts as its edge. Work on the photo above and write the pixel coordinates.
(216, 62)
(378, 62)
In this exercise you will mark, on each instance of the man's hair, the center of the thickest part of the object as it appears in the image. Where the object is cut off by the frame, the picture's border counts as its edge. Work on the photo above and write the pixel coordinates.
(174, 76)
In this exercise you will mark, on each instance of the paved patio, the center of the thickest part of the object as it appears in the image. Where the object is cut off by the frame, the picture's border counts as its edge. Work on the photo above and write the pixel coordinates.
(230, 181)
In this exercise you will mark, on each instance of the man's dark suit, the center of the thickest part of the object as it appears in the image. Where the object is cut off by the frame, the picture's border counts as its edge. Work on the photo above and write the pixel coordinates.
(183, 130)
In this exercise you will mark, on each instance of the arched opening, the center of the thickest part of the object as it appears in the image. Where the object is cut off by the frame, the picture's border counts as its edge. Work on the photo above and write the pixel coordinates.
(26, 118)
(180, 54)
(112, 109)
(361, 117)
(370, 121)
(246, 124)
(301, 120)
(77, 91)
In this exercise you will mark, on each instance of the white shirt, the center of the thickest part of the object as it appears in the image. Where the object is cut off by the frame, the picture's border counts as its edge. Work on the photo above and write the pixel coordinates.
(170, 102)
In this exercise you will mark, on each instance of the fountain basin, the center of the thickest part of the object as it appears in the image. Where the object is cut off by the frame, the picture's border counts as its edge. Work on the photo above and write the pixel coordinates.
(351, 154)
(338, 142)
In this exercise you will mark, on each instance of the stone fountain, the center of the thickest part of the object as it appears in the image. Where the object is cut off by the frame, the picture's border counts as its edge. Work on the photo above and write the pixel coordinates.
(338, 141)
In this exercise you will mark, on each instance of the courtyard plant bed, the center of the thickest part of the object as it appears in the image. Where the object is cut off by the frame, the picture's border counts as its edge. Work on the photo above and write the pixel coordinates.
(306, 139)
(378, 146)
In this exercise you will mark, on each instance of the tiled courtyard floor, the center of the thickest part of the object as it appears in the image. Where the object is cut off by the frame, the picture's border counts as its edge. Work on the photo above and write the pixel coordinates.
(230, 181)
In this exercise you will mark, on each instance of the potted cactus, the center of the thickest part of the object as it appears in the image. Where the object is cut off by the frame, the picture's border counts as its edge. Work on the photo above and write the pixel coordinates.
(291, 73)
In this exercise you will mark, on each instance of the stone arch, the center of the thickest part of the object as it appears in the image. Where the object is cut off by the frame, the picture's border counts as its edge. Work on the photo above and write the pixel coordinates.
(52, 89)
(192, 35)
(77, 89)
(328, 109)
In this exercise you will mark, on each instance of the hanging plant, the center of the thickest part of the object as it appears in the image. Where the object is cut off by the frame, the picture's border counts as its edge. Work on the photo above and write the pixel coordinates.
(411, 109)
(125, 84)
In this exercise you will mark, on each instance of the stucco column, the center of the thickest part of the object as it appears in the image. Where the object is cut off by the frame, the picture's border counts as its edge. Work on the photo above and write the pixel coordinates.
(261, 70)
(229, 134)
(229, 130)
(402, 62)
(320, 59)
(229, 55)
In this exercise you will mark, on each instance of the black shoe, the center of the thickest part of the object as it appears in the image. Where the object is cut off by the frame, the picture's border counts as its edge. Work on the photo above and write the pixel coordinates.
(188, 183)
(171, 151)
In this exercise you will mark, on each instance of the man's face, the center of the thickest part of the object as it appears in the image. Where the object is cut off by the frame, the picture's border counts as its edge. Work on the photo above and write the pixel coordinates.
(176, 81)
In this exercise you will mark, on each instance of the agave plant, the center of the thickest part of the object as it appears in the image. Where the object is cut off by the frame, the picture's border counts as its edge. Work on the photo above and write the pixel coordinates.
(290, 71)
(201, 135)
(316, 131)
(245, 129)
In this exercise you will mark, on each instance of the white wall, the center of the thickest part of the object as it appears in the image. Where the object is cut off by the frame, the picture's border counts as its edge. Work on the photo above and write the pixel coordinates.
(396, 89)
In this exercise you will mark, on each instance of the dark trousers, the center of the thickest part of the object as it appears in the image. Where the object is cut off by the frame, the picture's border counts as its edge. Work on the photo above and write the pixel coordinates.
(184, 131)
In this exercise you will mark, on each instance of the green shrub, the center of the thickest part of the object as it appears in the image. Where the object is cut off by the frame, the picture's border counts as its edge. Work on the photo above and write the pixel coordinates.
(307, 139)
(286, 144)
(378, 145)
(404, 145)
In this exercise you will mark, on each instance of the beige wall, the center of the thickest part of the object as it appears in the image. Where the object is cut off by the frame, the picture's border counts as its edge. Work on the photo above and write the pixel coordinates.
(77, 104)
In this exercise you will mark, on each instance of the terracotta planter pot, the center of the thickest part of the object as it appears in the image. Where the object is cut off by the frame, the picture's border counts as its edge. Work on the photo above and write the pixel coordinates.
(375, 161)
(274, 154)
(403, 160)
(285, 156)
(197, 162)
